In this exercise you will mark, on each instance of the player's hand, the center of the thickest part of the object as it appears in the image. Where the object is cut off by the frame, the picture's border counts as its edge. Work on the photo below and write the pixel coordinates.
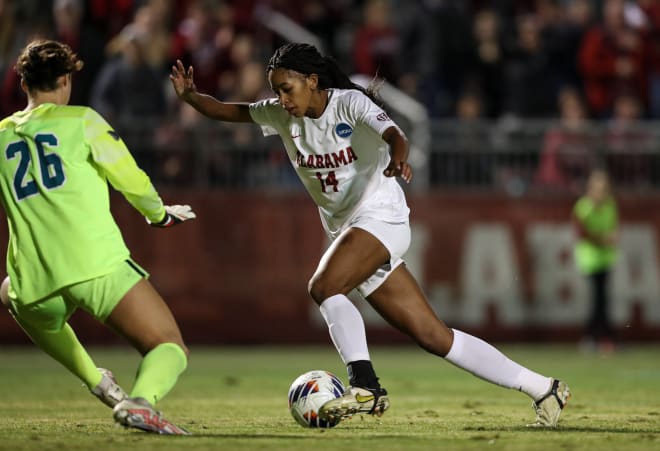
(182, 80)
(399, 169)
(174, 214)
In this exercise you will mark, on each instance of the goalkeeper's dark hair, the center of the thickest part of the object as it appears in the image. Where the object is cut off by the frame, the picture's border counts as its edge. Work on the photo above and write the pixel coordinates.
(41, 63)
(306, 59)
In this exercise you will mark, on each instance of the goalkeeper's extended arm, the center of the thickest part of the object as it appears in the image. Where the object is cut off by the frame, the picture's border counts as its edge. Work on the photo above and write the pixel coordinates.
(174, 214)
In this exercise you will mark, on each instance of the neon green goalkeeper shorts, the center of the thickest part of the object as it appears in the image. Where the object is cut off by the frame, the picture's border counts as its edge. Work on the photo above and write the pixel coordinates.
(98, 297)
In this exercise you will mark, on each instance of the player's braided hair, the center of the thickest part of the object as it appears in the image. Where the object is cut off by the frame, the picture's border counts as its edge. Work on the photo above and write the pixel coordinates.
(306, 59)
(43, 61)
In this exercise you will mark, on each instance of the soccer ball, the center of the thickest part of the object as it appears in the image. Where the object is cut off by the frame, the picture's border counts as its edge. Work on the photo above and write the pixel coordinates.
(309, 392)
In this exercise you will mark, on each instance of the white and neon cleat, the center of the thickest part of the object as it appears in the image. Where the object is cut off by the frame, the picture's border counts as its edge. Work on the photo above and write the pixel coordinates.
(138, 413)
(108, 391)
(548, 408)
(356, 400)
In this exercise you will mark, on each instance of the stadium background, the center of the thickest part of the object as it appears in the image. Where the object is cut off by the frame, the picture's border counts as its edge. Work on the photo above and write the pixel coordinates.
(508, 105)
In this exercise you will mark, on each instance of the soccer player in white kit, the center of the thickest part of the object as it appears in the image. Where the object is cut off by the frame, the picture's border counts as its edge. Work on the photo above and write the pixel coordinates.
(347, 152)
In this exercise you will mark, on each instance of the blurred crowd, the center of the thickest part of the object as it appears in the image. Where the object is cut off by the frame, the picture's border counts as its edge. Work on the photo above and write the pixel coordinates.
(571, 60)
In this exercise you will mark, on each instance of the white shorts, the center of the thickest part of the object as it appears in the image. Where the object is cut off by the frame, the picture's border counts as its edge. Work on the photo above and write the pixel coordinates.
(395, 236)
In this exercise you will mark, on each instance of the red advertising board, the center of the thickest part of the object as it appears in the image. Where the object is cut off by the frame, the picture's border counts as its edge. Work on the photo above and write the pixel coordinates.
(499, 267)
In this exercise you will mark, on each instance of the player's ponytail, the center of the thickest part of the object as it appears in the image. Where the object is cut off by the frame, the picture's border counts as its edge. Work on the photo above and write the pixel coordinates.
(306, 59)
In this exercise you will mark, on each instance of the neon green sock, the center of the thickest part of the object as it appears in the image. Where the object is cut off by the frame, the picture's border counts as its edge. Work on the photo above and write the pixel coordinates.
(159, 371)
(64, 347)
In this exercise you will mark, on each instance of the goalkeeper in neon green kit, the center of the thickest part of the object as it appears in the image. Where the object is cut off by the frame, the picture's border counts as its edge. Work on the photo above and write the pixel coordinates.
(65, 249)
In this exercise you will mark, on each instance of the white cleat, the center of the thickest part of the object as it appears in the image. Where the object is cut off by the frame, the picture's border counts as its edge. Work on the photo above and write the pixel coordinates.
(548, 408)
(356, 400)
(138, 413)
(108, 391)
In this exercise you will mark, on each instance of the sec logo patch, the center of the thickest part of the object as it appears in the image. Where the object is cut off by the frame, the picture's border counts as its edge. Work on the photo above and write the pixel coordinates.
(343, 130)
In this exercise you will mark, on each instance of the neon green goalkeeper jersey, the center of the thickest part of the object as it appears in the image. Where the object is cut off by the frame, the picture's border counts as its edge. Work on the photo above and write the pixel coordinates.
(55, 167)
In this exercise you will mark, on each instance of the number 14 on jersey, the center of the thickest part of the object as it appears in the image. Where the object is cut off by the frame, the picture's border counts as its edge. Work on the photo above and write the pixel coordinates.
(330, 180)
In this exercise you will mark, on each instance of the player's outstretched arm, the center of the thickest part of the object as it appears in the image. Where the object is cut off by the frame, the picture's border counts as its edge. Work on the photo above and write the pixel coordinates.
(184, 86)
(174, 214)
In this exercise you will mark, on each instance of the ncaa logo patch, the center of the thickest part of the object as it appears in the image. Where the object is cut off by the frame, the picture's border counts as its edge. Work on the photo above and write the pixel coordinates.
(343, 130)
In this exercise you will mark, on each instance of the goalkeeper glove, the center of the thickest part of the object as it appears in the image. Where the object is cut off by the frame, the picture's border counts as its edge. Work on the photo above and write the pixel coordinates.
(174, 214)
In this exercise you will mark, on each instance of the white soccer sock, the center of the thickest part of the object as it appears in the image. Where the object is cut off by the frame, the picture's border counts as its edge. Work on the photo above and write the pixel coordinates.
(346, 328)
(484, 361)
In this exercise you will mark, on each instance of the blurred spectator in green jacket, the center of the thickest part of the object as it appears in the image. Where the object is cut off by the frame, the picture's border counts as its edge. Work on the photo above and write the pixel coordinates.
(596, 221)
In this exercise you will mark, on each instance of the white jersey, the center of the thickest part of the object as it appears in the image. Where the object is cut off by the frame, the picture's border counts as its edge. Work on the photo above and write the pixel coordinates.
(340, 157)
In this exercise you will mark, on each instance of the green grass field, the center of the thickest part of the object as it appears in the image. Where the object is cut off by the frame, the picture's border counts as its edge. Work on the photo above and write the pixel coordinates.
(236, 399)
